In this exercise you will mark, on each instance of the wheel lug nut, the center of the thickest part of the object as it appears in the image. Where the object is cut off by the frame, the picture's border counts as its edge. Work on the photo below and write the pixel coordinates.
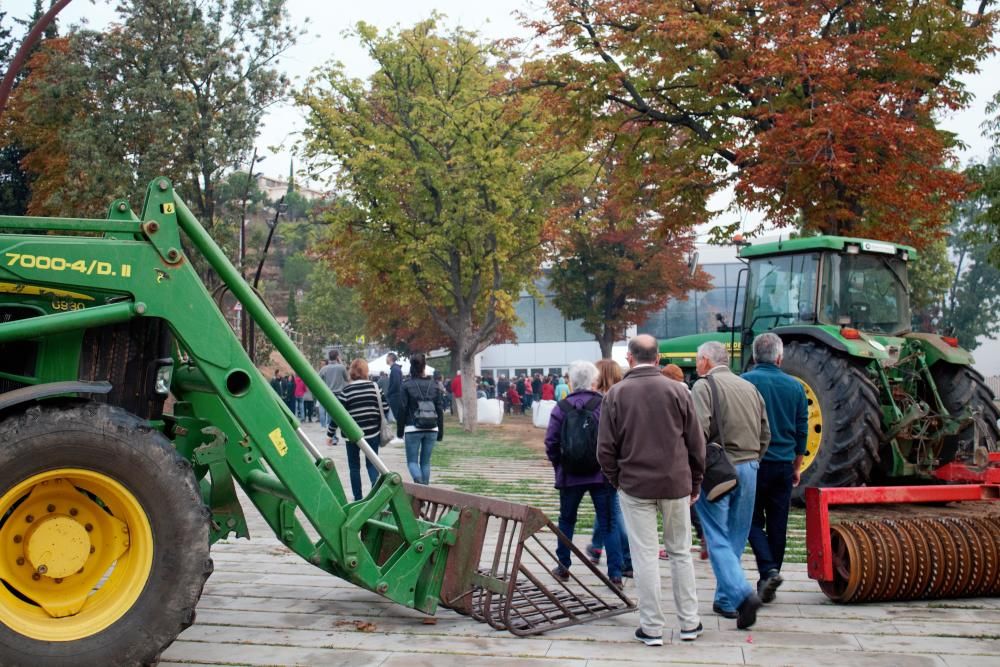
(92, 548)
(58, 580)
(88, 527)
(51, 508)
(20, 560)
(43, 568)
(36, 576)
(17, 539)
(29, 519)
(73, 511)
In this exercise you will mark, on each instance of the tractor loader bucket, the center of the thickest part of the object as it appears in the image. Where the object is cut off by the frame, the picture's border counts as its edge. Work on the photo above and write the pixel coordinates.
(498, 570)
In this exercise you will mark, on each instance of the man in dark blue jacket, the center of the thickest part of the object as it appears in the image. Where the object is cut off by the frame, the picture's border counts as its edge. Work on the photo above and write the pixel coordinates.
(788, 417)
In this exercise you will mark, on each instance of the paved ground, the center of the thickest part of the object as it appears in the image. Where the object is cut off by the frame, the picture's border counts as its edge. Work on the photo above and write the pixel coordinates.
(264, 606)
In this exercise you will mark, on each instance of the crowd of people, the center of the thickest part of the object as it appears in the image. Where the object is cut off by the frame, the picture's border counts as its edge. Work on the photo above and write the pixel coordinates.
(635, 443)
(649, 454)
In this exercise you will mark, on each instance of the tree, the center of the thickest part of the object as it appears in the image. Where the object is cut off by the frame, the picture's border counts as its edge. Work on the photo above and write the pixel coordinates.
(971, 308)
(330, 314)
(447, 182)
(177, 88)
(615, 260)
(820, 114)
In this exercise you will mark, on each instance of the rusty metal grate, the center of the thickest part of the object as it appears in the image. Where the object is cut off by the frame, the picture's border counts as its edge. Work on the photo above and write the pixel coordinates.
(498, 571)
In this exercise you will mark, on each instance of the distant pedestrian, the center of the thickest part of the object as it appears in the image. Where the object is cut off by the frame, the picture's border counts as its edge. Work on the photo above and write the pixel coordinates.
(334, 375)
(514, 399)
(742, 419)
(562, 389)
(308, 404)
(651, 448)
(288, 392)
(527, 398)
(536, 387)
(300, 392)
(362, 400)
(456, 394)
(674, 372)
(421, 419)
(548, 389)
(577, 472)
(395, 384)
(788, 419)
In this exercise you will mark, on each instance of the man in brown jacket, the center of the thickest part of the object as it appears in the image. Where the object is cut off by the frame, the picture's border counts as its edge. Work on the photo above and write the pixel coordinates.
(651, 448)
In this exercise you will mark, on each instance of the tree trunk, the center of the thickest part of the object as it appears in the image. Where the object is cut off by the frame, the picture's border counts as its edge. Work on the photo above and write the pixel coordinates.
(606, 340)
(469, 400)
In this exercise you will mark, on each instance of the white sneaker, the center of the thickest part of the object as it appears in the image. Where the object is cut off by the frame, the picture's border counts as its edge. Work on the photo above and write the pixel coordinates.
(396, 441)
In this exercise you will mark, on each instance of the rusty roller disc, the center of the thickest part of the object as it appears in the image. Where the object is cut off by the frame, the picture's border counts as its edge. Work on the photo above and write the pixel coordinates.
(908, 558)
(867, 564)
(846, 575)
(896, 582)
(947, 560)
(962, 558)
(989, 530)
(885, 562)
(977, 556)
(922, 570)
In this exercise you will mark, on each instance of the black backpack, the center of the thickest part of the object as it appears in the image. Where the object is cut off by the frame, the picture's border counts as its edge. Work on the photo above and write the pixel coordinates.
(578, 437)
(425, 416)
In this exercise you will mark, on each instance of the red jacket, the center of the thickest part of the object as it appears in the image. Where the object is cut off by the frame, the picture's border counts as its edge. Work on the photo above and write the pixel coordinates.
(513, 396)
(548, 392)
(300, 387)
(456, 386)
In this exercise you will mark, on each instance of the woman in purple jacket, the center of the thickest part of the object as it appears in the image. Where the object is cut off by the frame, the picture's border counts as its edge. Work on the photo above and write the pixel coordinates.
(573, 486)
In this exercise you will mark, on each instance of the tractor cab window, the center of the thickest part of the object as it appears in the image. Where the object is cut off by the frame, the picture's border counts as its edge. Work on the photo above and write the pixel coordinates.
(782, 291)
(866, 291)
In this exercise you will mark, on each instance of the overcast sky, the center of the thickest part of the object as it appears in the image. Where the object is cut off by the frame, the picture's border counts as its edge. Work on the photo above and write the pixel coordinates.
(324, 23)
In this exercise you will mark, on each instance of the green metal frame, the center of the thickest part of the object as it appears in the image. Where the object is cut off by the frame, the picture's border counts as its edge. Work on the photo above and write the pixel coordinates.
(227, 420)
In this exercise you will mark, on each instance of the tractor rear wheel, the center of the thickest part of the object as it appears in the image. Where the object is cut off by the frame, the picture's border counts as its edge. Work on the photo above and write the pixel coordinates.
(961, 386)
(104, 538)
(844, 417)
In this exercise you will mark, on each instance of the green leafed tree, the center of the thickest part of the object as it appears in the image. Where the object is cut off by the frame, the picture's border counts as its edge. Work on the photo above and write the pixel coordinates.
(173, 87)
(447, 184)
(330, 314)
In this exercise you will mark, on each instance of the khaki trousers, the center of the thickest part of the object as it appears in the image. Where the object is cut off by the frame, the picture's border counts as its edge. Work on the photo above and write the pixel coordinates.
(641, 523)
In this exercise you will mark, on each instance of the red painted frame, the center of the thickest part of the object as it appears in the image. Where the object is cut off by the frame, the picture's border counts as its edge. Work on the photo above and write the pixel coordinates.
(818, 501)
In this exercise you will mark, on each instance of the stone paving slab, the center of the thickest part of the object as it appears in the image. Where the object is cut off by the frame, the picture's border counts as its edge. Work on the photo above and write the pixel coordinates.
(265, 606)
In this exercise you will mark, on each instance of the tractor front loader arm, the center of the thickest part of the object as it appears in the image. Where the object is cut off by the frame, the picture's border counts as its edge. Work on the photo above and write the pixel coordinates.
(136, 269)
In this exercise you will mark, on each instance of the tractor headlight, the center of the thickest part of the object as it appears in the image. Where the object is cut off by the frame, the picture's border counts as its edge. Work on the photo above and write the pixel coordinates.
(163, 376)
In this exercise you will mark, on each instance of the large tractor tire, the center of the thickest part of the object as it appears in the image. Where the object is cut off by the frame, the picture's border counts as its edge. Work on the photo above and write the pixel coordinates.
(844, 417)
(961, 386)
(104, 538)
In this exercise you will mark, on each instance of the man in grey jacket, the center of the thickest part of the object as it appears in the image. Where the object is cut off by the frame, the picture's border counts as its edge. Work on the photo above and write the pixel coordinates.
(726, 521)
(651, 448)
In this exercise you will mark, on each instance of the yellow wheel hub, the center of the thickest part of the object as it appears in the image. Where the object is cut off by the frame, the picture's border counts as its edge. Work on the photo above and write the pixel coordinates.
(76, 551)
(58, 547)
(815, 434)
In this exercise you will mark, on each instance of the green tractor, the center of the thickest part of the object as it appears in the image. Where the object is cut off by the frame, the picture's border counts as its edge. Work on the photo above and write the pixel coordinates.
(885, 403)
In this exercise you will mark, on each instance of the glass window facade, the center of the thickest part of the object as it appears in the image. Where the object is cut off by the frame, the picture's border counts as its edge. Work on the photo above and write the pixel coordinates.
(541, 321)
(699, 313)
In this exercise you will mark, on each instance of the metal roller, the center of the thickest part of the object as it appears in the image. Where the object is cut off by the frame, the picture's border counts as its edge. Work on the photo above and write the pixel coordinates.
(910, 559)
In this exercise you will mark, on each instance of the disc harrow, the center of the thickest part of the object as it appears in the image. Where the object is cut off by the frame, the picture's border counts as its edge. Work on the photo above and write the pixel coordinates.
(905, 543)
(876, 560)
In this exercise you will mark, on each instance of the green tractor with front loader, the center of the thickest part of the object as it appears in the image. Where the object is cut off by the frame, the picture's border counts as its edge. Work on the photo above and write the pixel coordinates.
(133, 425)
(886, 404)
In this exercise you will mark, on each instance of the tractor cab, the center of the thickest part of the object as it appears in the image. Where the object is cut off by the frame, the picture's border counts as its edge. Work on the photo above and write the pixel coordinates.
(838, 282)
(862, 285)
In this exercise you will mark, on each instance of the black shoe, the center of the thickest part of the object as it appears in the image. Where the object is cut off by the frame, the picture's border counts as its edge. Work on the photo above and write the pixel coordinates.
(767, 588)
(561, 573)
(747, 611)
(723, 612)
(691, 635)
(648, 640)
(617, 581)
(594, 554)
(628, 573)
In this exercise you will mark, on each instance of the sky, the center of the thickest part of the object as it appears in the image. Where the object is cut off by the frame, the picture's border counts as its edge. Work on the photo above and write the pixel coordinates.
(325, 22)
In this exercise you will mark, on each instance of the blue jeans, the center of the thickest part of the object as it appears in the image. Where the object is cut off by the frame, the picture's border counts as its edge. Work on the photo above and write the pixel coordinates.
(419, 446)
(598, 538)
(354, 464)
(603, 496)
(726, 524)
(770, 515)
(300, 408)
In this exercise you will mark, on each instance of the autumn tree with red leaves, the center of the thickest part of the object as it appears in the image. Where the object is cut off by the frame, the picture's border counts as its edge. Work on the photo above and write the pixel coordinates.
(821, 114)
(616, 259)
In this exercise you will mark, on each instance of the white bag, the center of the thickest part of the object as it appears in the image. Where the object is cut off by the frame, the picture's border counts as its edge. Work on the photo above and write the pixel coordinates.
(387, 430)
(540, 417)
(490, 411)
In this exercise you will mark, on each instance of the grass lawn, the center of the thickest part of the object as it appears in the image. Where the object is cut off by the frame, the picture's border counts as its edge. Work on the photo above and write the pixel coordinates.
(508, 461)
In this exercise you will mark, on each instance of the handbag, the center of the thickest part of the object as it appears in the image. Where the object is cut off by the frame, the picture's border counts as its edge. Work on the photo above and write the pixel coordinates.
(386, 430)
(720, 474)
